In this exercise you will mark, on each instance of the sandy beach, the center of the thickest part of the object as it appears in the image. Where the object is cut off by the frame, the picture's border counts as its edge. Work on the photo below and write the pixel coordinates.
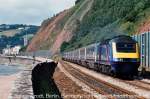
(6, 83)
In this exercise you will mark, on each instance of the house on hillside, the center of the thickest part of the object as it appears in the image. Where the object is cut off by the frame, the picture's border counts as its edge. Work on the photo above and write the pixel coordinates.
(11, 51)
(6, 51)
(15, 50)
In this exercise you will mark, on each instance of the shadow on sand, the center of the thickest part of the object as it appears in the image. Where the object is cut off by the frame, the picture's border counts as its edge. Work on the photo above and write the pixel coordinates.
(43, 83)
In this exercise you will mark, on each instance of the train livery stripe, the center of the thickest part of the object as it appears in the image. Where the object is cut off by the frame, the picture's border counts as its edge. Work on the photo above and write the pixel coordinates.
(124, 55)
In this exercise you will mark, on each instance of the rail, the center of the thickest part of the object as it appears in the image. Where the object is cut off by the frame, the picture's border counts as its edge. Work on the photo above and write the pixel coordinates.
(100, 86)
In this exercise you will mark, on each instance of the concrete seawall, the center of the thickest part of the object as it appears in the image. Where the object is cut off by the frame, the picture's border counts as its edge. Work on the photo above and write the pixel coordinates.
(43, 82)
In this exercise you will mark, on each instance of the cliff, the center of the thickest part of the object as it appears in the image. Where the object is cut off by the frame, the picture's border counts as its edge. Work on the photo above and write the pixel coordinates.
(60, 28)
(91, 21)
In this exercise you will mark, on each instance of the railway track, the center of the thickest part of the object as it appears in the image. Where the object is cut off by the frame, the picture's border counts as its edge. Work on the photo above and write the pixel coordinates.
(102, 87)
(140, 84)
(136, 83)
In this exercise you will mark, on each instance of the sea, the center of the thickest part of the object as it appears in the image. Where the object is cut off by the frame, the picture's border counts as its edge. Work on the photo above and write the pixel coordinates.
(9, 69)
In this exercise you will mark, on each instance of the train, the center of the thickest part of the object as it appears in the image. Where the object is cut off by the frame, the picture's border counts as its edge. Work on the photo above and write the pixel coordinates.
(144, 42)
(117, 56)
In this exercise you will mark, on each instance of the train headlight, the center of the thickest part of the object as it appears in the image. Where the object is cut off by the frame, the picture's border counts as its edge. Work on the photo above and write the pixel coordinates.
(118, 59)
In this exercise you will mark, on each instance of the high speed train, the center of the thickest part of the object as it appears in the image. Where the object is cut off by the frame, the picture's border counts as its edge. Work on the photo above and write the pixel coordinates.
(119, 55)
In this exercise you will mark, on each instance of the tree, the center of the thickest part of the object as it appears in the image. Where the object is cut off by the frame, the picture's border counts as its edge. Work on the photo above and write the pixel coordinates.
(63, 46)
(77, 1)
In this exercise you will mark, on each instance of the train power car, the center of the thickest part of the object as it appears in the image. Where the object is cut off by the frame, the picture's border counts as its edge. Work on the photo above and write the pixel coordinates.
(117, 56)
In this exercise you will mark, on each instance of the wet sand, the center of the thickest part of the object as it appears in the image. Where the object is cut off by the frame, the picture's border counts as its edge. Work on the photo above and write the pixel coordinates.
(6, 83)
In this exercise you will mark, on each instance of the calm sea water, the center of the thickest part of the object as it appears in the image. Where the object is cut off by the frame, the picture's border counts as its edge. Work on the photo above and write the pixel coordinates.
(6, 69)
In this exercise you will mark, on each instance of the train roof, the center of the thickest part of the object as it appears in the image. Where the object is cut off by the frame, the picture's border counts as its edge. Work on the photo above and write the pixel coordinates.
(119, 38)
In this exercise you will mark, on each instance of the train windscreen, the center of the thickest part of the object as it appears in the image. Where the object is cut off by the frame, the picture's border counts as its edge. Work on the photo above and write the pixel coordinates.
(126, 47)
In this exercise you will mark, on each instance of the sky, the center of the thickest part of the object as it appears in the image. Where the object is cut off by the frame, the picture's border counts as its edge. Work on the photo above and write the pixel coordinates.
(31, 12)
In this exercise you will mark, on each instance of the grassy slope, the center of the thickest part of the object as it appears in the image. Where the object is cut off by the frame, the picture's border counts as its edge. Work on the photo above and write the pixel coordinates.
(108, 18)
(10, 33)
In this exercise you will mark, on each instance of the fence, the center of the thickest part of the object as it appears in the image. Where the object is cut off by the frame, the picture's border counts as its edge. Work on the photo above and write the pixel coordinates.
(144, 43)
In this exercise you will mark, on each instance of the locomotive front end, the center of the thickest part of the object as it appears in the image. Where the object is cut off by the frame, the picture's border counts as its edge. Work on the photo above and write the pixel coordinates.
(125, 56)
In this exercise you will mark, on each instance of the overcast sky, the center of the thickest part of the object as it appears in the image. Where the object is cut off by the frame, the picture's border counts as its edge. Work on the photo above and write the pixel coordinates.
(30, 11)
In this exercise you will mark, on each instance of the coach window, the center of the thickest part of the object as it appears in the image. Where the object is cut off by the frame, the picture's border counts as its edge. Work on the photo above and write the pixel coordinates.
(103, 53)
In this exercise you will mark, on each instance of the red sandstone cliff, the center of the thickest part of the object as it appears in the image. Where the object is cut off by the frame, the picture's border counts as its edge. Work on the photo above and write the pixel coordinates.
(48, 27)
(55, 31)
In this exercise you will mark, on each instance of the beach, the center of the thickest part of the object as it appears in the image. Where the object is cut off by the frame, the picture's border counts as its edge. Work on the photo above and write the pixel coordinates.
(9, 73)
(6, 83)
